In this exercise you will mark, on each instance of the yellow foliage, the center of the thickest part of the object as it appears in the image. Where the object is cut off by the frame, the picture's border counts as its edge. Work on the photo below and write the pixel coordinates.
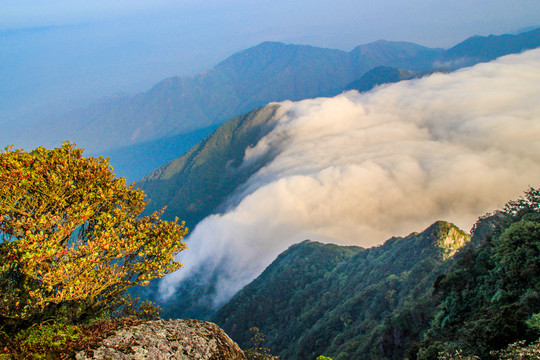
(71, 234)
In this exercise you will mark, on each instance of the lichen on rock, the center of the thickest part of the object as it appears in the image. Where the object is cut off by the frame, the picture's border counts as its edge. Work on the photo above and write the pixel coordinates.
(167, 339)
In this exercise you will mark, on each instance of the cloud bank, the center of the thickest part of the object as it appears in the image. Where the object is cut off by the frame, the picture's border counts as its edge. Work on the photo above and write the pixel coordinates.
(360, 168)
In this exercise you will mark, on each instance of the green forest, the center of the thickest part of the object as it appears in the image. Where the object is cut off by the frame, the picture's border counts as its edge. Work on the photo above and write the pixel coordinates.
(439, 294)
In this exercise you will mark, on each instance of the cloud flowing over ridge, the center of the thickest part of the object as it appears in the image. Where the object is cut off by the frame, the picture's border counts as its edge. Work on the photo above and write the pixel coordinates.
(360, 168)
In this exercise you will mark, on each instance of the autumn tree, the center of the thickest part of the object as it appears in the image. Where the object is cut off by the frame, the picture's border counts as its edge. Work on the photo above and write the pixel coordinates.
(72, 238)
(257, 351)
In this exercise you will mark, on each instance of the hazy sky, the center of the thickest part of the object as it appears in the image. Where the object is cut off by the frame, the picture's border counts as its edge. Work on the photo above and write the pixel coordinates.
(58, 50)
(342, 24)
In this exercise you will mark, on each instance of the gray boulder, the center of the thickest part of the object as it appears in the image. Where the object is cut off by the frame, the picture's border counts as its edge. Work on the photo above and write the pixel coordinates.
(167, 339)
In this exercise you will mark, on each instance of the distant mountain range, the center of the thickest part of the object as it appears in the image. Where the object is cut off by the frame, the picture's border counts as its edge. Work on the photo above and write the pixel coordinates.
(486, 48)
(173, 185)
(180, 108)
(268, 72)
(382, 75)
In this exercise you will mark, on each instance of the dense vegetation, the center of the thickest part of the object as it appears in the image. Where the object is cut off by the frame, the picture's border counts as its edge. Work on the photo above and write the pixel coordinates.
(491, 297)
(194, 185)
(198, 184)
(347, 303)
(72, 241)
(410, 298)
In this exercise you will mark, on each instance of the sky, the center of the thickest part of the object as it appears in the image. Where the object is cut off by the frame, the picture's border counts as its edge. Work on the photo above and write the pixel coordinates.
(357, 169)
(58, 54)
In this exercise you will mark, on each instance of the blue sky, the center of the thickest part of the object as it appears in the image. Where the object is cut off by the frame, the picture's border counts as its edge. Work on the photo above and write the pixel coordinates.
(65, 52)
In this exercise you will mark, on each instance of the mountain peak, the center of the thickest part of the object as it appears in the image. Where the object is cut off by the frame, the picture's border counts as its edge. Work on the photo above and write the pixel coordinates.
(381, 44)
(269, 43)
(448, 237)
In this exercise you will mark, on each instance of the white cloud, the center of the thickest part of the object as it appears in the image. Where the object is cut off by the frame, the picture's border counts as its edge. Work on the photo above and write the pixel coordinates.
(360, 168)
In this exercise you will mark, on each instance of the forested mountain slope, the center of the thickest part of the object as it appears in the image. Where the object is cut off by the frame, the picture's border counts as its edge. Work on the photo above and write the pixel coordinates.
(195, 184)
(268, 172)
(410, 298)
(261, 63)
(491, 296)
(373, 303)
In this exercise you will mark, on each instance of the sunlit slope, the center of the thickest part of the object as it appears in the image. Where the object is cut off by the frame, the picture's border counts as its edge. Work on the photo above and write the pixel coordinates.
(194, 185)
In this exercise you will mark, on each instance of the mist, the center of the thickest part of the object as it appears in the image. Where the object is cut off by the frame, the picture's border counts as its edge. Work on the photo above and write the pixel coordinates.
(357, 169)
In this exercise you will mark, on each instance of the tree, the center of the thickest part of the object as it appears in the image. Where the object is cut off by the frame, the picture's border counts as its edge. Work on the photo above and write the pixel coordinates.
(72, 240)
(258, 352)
(527, 204)
(491, 296)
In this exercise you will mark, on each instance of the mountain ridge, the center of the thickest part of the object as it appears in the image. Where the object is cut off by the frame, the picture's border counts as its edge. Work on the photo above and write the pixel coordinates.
(208, 173)
(320, 299)
(180, 105)
(486, 48)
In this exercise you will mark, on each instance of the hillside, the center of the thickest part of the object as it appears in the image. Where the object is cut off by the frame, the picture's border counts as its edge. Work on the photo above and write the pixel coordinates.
(381, 75)
(265, 73)
(195, 184)
(486, 48)
(491, 296)
(354, 168)
(411, 298)
(310, 302)
(275, 72)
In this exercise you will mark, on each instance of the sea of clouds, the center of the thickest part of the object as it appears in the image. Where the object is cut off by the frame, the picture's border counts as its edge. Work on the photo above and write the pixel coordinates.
(359, 168)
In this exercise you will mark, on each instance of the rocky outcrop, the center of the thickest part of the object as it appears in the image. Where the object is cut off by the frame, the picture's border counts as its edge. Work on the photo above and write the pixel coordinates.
(167, 339)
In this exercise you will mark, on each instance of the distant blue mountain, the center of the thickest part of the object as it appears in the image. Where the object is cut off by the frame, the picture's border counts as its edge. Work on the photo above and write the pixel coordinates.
(268, 72)
(381, 75)
(177, 184)
(271, 71)
(486, 48)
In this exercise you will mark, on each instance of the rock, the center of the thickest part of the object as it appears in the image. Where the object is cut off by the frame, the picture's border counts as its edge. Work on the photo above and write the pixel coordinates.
(167, 339)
